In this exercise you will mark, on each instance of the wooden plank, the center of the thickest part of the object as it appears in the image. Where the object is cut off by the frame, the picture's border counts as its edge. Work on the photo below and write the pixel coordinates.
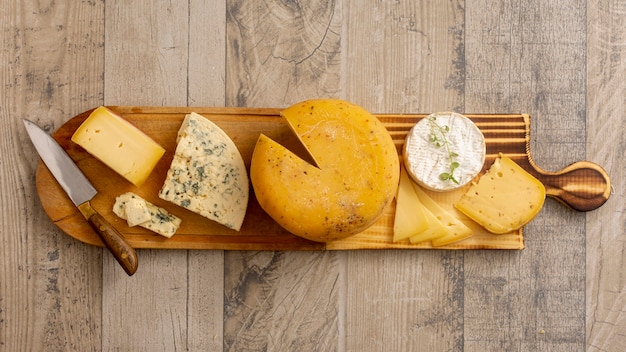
(206, 75)
(49, 285)
(403, 57)
(606, 108)
(279, 53)
(582, 185)
(146, 57)
(526, 56)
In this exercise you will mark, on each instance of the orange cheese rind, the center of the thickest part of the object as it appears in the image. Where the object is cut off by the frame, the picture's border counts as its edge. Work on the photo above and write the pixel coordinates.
(356, 176)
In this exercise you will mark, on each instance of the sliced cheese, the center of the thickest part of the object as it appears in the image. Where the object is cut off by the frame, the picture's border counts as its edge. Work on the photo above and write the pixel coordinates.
(207, 174)
(137, 211)
(357, 176)
(435, 143)
(505, 198)
(160, 220)
(410, 218)
(455, 229)
(435, 229)
(118, 144)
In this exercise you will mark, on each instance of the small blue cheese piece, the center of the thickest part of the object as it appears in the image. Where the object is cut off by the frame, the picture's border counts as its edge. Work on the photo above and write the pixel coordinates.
(207, 174)
(159, 220)
(136, 211)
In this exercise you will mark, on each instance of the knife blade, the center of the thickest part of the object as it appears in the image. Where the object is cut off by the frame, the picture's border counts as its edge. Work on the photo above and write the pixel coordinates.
(81, 191)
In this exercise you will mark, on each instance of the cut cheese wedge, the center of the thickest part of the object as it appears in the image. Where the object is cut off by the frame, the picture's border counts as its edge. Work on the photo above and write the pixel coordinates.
(130, 207)
(357, 176)
(410, 218)
(504, 199)
(455, 229)
(118, 144)
(207, 174)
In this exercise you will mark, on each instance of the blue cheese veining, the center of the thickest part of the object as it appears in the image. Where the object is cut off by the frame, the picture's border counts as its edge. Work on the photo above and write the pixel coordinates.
(138, 211)
(207, 174)
(427, 158)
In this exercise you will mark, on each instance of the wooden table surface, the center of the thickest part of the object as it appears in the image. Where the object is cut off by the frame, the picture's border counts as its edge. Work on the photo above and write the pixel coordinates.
(563, 62)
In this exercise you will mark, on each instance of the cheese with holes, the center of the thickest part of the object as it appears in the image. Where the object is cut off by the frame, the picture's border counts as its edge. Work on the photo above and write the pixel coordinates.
(118, 144)
(356, 176)
(454, 229)
(439, 141)
(505, 198)
(410, 218)
(207, 174)
(128, 206)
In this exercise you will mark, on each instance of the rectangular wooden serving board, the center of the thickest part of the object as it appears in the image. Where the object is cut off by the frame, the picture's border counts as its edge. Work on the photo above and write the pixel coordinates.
(508, 134)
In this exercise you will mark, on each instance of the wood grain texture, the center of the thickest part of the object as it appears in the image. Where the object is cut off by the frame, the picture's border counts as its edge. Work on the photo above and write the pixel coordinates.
(509, 134)
(403, 57)
(560, 61)
(277, 54)
(530, 57)
(148, 59)
(606, 124)
(49, 287)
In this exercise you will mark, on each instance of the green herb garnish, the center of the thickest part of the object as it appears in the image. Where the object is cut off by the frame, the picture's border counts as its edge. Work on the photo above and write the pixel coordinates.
(438, 137)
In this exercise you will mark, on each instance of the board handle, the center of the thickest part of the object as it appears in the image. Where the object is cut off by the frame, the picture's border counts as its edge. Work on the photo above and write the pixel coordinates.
(582, 186)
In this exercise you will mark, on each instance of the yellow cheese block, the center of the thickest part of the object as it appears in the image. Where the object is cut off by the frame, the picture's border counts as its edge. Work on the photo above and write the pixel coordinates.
(356, 178)
(410, 218)
(505, 198)
(454, 229)
(118, 144)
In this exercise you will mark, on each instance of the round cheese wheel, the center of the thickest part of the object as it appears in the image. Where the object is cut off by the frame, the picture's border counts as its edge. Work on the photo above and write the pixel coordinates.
(444, 151)
(356, 176)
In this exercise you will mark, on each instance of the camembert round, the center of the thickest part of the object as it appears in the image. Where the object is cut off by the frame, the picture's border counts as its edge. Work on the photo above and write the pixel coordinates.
(444, 151)
(356, 176)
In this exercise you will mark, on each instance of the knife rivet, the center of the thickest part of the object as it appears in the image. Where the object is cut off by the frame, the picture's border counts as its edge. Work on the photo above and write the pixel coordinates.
(124, 256)
(102, 228)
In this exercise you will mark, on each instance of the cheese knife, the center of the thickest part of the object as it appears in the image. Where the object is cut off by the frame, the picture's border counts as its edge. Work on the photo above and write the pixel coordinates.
(81, 191)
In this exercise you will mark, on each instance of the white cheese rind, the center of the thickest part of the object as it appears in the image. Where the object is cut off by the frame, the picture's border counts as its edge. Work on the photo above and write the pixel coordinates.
(425, 161)
(160, 221)
(207, 174)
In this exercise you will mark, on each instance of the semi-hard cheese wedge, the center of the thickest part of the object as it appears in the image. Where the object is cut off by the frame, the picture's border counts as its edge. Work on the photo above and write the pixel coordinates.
(410, 218)
(454, 229)
(207, 174)
(118, 144)
(129, 206)
(356, 178)
(504, 199)
(444, 151)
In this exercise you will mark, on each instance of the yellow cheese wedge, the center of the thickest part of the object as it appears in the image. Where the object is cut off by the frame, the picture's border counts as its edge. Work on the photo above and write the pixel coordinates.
(455, 230)
(434, 229)
(118, 144)
(504, 199)
(357, 176)
(410, 218)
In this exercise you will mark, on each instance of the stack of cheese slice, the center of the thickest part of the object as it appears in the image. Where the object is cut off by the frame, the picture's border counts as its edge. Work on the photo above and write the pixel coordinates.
(207, 174)
(420, 219)
(356, 178)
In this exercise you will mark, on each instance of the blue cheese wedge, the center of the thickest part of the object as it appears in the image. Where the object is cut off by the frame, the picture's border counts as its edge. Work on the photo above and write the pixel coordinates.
(444, 151)
(133, 208)
(207, 174)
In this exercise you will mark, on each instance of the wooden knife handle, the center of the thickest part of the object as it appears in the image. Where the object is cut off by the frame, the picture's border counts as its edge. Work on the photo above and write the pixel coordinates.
(582, 186)
(112, 239)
